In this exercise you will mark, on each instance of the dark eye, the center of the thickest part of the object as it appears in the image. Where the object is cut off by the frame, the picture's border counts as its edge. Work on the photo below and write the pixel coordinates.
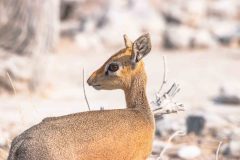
(113, 67)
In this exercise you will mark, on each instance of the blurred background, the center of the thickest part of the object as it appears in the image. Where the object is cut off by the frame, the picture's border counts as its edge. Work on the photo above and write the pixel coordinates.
(44, 46)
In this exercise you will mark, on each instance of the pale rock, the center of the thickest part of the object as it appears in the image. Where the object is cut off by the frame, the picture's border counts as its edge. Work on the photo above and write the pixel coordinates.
(215, 121)
(236, 133)
(203, 39)
(196, 7)
(169, 124)
(224, 31)
(189, 152)
(223, 8)
(173, 13)
(4, 138)
(233, 148)
(132, 21)
(195, 11)
(158, 146)
(20, 69)
(188, 12)
(120, 22)
(178, 37)
(88, 41)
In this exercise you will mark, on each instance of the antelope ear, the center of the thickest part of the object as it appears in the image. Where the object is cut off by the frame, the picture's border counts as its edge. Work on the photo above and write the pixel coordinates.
(141, 47)
(128, 42)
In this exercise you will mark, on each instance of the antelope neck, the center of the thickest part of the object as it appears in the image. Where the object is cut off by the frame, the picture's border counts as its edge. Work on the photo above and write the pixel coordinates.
(135, 94)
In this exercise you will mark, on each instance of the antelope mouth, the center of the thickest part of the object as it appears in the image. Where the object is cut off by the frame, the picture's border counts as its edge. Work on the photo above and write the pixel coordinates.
(96, 86)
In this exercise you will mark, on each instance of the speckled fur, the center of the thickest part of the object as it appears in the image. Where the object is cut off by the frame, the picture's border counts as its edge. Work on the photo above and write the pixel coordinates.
(120, 134)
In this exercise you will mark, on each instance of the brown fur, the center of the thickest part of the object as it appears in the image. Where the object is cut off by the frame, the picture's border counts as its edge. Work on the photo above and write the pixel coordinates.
(122, 134)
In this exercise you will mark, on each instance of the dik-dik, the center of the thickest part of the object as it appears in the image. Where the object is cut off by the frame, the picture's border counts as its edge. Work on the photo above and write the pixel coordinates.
(118, 134)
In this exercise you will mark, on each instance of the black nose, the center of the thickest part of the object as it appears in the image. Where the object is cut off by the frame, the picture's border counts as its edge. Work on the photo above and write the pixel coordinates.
(90, 81)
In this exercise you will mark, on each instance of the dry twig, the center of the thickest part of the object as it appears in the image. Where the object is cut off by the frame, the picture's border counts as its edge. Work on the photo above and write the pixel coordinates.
(217, 152)
(84, 91)
(164, 103)
(177, 133)
(15, 94)
(164, 81)
(11, 82)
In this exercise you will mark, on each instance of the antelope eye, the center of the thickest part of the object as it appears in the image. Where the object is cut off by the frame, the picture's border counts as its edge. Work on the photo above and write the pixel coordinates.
(113, 67)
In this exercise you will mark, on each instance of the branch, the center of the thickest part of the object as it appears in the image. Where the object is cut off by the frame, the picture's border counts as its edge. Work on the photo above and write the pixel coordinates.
(164, 103)
(164, 81)
(177, 133)
(84, 91)
(11, 82)
(217, 152)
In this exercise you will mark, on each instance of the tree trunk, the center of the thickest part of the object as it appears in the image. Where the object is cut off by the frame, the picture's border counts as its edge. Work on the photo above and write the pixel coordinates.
(28, 29)
(28, 26)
